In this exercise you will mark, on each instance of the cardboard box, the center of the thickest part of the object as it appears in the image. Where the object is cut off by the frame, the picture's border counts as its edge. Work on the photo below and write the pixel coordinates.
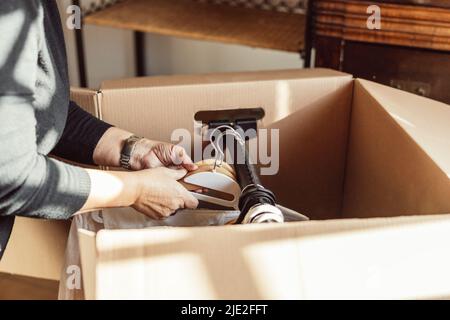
(349, 148)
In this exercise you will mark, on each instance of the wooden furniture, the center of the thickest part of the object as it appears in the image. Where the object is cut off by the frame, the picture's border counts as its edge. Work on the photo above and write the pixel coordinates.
(411, 51)
(271, 24)
(15, 287)
(205, 21)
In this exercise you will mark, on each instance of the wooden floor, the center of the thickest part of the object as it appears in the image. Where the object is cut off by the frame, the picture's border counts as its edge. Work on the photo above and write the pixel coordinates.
(25, 288)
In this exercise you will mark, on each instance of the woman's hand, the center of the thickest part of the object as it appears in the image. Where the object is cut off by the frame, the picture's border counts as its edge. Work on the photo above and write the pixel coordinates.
(153, 192)
(152, 188)
(149, 154)
(160, 194)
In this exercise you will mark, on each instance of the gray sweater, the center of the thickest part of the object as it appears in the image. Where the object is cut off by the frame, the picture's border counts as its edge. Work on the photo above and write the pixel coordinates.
(34, 100)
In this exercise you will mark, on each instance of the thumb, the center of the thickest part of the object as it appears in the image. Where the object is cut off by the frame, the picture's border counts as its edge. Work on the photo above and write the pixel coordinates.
(181, 158)
(176, 174)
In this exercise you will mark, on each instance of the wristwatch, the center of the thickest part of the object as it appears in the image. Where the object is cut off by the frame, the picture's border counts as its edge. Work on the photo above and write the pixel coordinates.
(127, 151)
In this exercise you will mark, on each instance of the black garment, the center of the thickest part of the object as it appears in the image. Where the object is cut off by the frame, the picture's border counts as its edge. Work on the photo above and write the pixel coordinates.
(6, 225)
(80, 137)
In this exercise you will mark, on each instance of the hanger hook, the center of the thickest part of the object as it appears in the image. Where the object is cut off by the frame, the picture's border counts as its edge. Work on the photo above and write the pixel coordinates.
(215, 144)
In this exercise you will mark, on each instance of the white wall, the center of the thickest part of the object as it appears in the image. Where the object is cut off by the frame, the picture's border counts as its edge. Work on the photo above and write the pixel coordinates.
(110, 55)
(168, 55)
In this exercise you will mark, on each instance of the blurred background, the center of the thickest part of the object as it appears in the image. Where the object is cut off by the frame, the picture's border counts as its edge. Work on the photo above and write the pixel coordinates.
(109, 53)
(401, 43)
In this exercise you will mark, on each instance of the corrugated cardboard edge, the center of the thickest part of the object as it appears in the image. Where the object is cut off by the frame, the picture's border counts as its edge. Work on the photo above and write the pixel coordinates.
(216, 78)
(88, 253)
(88, 99)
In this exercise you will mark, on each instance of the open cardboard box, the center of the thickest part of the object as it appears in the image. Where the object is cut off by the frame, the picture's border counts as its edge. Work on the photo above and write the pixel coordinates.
(349, 148)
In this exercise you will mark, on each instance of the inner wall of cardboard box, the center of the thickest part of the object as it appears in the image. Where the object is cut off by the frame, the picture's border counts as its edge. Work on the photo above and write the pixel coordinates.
(341, 153)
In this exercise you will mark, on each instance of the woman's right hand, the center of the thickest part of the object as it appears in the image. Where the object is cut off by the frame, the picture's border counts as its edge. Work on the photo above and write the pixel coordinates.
(159, 194)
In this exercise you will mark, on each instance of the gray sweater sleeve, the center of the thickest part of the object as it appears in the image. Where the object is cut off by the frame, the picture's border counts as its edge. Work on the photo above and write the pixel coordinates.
(31, 184)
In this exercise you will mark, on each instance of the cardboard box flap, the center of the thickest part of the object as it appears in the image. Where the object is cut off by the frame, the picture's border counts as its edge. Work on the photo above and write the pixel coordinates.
(87, 99)
(426, 121)
(281, 94)
(398, 157)
(160, 81)
(356, 258)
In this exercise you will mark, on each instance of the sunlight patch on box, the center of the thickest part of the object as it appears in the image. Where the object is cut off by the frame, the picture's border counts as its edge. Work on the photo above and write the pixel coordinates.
(141, 277)
(370, 263)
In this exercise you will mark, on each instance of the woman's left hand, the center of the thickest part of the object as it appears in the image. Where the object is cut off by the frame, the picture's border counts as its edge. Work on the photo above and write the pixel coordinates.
(148, 154)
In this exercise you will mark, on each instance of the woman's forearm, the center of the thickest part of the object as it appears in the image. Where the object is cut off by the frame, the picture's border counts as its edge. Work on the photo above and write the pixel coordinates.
(107, 151)
(80, 137)
(111, 189)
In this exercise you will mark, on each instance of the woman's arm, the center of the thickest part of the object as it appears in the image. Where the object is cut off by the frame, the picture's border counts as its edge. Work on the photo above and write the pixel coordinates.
(153, 192)
(30, 183)
(108, 149)
(88, 140)
(81, 135)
